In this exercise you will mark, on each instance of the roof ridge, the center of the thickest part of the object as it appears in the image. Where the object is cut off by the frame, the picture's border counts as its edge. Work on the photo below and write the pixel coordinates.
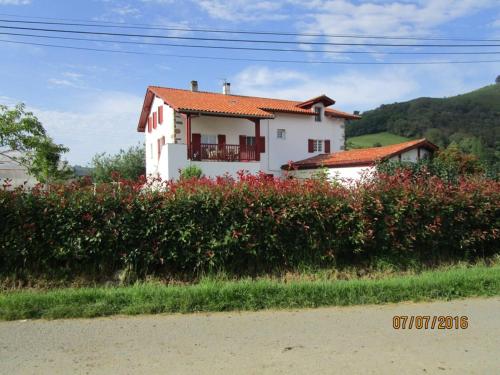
(226, 95)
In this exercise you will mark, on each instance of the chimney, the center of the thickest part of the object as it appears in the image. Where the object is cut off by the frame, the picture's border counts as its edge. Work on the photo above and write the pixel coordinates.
(226, 88)
(194, 86)
(356, 112)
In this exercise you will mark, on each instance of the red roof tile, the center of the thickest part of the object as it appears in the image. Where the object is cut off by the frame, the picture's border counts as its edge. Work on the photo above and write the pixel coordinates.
(360, 157)
(230, 105)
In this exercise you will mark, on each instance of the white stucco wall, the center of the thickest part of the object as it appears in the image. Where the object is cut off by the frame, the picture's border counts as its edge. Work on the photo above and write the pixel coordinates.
(412, 155)
(172, 159)
(165, 129)
(345, 174)
(350, 173)
(213, 168)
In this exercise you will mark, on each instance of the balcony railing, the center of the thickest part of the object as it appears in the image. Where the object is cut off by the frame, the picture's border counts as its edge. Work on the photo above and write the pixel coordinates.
(222, 152)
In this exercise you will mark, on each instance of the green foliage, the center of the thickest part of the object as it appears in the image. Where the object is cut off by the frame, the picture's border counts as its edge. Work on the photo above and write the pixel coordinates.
(129, 164)
(252, 226)
(472, 120)
(217, 295)
(497, 80)
(450, 164)
(24, 140)
(369, 140)
(191, 171)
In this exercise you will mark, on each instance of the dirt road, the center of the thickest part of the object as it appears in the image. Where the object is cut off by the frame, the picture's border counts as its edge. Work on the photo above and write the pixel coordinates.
(350, 340)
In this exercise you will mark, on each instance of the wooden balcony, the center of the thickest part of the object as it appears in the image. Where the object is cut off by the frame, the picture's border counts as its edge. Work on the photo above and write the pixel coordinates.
(222, 152)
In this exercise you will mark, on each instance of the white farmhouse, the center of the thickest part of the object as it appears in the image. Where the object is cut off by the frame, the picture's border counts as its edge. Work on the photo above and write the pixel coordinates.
(353, 164)
(224, 133)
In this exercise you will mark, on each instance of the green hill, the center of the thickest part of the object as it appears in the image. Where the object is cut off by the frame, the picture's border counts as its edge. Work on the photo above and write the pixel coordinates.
(471, 120)
(374, 140)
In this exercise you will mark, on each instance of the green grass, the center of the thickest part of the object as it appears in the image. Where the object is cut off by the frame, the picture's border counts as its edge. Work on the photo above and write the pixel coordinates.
(223, 295)
(370, 140)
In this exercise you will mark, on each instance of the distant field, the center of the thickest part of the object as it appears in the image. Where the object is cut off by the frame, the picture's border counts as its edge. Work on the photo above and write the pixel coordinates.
(374, 140)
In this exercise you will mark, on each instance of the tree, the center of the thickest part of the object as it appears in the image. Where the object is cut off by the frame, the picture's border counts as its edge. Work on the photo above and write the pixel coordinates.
(497, 80)
(24, 141)
(454, 161)
(129, 164)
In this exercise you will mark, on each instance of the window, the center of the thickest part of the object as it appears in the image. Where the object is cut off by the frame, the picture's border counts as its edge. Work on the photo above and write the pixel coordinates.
(317, 114)
(210, 139)
(317, 145)
(281, 134)
(151, 151)
(250, 141)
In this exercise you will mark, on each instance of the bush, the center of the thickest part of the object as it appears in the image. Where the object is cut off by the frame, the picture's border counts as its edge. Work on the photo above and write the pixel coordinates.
(191, 171)
(253, 225)
(450, 165)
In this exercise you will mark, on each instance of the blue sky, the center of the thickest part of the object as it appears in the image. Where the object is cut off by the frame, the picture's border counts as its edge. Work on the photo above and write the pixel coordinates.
(90, 101)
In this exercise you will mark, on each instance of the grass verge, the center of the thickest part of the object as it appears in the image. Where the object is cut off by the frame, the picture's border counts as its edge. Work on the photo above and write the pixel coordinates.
(220, 295)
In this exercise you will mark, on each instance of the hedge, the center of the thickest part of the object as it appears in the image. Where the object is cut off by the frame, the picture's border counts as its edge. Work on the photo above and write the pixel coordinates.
(250, 225)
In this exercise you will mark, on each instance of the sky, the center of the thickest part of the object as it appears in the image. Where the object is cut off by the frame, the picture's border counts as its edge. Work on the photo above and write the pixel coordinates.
(90, 101)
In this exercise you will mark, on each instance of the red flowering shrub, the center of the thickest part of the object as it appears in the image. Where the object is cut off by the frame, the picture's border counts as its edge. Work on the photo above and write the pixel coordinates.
(251, 225)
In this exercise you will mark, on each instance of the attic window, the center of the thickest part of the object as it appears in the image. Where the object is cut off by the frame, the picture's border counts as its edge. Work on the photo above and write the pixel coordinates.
(317, 114)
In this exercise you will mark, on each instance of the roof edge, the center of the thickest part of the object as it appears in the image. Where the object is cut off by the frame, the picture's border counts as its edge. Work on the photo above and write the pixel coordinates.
(327, 101)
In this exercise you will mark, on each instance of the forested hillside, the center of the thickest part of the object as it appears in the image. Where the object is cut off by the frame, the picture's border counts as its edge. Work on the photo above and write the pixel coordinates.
(472, 121)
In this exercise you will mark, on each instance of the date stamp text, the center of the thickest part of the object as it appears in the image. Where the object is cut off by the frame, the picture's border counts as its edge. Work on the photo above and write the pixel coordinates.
(430, 322)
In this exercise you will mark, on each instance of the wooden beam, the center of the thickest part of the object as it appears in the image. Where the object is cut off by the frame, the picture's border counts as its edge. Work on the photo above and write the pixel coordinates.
(257, 139)
(187, 117)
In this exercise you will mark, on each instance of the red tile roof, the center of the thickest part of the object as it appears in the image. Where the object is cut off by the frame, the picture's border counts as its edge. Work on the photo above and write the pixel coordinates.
(187, 101)
(360, 157)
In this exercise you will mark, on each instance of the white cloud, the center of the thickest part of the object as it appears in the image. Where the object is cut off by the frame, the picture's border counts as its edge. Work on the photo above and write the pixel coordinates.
(106, 123)
(393, 18)
(158, 1)
(243, 10)
(126, 10)
(68, 79)
(258, 76)
(15, 2)
(356, 90)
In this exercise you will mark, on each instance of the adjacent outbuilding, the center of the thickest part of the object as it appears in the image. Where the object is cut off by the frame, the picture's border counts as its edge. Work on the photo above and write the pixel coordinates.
(353, 164)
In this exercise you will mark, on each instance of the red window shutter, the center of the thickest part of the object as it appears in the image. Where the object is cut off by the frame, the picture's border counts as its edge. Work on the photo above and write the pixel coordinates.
(160, 114)
(221, 139)
(262, 144)
(243, 141)
(149, 124)
(155, 120)
(327, 146)
(196, 146)
(196, 139)
(243, 147)
(310, 145)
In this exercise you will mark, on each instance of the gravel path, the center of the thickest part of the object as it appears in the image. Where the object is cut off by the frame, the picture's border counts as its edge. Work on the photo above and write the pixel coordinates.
(344, 340)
